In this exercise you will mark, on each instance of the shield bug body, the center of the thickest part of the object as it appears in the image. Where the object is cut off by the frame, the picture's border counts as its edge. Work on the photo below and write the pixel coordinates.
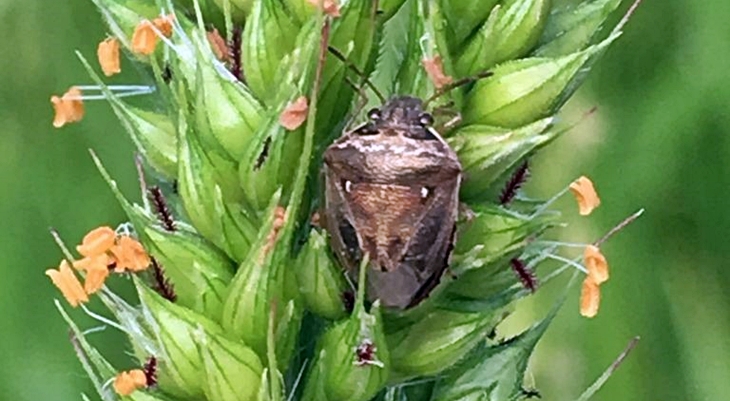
(391, 190)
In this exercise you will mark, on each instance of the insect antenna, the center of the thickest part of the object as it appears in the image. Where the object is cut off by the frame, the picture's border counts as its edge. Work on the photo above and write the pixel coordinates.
(357, 71)
(444, 109)
(360, 104)
(461, 82)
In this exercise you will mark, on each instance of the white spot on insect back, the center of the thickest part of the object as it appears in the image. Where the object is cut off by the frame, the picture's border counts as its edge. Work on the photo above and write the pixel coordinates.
(424, 192)
(348, 186)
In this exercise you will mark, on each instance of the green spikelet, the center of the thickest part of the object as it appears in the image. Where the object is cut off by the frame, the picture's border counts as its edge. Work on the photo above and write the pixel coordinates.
(245, 299)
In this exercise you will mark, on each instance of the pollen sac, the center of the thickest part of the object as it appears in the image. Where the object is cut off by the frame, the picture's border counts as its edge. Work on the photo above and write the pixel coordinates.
(144, 39)
(123, 17)
(108, 56)
(68, 108)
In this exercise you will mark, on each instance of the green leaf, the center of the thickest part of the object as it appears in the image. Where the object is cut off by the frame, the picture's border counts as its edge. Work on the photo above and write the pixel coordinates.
(573, 26)
(352, 360)
(239, 9)
(491, 234)
(390, 7)
(270, 162)
(232, 370)
(219, 109)
(526, 90)
(175, 329)
(268, 36)
(211, 207)
(321, 282)
(437, 341)
(260, 282)
(464, 16)
(396, 51)
(512, 29)
(492, 373)
(489, 154)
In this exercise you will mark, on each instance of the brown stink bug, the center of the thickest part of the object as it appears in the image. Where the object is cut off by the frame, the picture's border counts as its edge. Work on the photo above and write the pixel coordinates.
(392, 191)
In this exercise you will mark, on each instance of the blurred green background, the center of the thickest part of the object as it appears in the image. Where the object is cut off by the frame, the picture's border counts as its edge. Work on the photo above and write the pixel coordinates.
(659, 141)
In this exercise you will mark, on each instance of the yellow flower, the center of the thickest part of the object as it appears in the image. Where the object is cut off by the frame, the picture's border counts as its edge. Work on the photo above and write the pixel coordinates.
(585, 194)
(108, 54)
(590, 298)
(596, 264)
(66, 281)
(130, 255)
(68, 108)
(126, 383)
(98, 241)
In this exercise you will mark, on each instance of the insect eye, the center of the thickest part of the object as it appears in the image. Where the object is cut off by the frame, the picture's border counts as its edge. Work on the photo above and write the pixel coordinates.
(367, 129)
(374, 114)
(425, 119)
